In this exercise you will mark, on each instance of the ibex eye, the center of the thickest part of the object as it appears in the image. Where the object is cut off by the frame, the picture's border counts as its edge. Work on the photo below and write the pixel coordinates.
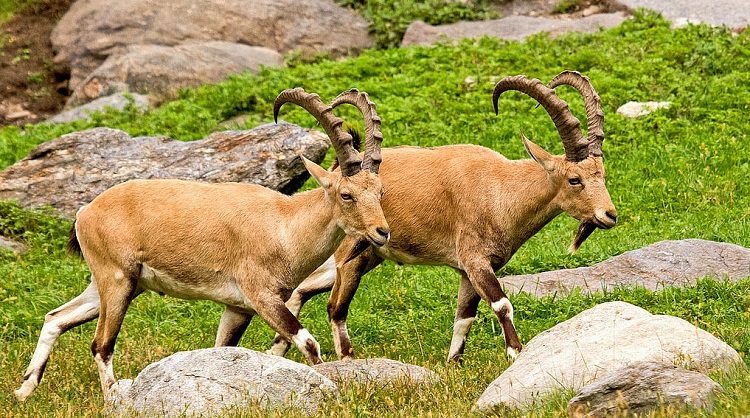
(575, 181)
(382, 192)
(346, 196)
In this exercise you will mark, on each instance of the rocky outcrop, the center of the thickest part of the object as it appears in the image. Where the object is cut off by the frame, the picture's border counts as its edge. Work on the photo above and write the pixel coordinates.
(116, 101)
(514, 28)
(601, 340)
(70, 171)
(665, 263)
(161, 71)
(643, 387)
(210, 380)
(93, 30)
(735, 14)
(376, 371)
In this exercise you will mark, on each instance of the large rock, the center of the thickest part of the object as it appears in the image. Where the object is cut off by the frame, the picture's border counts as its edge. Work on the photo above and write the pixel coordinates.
(116, 101)
(598, 341)
(643, 387)
(376, 371)
(514, 28)
(93, 30)
(70, 171)
(209, 380)
(733, 13)
(665, 263)
(161, 71)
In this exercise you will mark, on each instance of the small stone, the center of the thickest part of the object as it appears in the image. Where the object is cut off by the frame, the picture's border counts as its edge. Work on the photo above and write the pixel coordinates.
(22, 114)
(469, 81)
(591, 10)
(637, 109)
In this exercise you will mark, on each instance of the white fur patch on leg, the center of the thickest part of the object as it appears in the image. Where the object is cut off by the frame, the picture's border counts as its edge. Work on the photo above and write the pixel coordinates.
(106, 374)
(460, 329)
(301, 339)
(512, 353)
(503, 303)
(338, 329)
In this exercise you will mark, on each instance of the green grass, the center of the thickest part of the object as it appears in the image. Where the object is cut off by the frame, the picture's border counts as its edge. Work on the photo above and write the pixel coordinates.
(678, 173)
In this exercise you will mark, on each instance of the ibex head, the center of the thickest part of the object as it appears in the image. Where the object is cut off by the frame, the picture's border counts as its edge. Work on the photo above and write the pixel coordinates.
(579, 174)
(356, 190)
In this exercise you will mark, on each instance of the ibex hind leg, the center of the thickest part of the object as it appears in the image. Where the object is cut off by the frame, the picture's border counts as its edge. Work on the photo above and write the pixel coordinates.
(320, 281)
(83, 308)
(117, 288)
(234, 322)
(466, 312)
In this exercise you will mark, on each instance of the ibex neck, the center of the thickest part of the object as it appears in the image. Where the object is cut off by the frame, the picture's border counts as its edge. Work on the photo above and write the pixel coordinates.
(536, 206)
(312, 231)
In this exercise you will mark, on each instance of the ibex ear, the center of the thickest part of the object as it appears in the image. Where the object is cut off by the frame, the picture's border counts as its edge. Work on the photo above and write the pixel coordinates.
(320, 175)
(542, 157)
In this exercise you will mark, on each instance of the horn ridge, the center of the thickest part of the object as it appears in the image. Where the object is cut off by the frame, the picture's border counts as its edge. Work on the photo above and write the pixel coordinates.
(568, 126)
(373, 136)
(347, 156)
(594, 112)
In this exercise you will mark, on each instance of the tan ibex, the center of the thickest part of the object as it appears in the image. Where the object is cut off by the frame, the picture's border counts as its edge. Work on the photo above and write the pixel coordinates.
(470, 208)
(241, 245)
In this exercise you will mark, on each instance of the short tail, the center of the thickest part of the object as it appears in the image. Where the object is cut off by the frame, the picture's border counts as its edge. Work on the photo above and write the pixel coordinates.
(74, 247)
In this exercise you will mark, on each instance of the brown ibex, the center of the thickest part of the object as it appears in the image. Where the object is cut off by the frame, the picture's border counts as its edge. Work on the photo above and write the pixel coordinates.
(241, 245)
(470, 208)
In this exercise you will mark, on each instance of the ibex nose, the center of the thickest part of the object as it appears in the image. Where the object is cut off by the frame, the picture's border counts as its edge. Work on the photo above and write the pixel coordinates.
(612, 215)
(385, 233)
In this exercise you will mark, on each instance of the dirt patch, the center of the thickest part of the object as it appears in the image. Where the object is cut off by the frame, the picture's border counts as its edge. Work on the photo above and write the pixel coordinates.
(31, 87)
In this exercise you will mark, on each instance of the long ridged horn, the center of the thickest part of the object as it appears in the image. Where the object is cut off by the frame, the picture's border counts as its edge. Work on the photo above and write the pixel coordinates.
(347, 156)
(569, 127)
(594, 113)
(373, 137)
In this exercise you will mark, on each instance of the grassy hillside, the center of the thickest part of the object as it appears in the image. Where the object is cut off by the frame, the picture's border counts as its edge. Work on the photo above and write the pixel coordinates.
(678, 173)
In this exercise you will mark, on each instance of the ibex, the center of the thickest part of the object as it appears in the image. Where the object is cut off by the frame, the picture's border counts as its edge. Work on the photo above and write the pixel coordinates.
(470, 208)
(241, 245)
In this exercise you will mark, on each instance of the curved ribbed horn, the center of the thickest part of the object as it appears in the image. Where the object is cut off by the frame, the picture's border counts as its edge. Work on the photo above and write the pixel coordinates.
(569, 127)
(373, 136)
(347, 156)
(594, 113)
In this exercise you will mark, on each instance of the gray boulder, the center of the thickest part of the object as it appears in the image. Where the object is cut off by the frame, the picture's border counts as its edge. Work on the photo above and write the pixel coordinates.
(93, 30)
(376, 371)
(642, 387)
(70, 171)
(161, 71)
(598, 341)
(210, 380)
(116, 101)
(665, 263)
(11, 245)
(733, 13)
(514, 28)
